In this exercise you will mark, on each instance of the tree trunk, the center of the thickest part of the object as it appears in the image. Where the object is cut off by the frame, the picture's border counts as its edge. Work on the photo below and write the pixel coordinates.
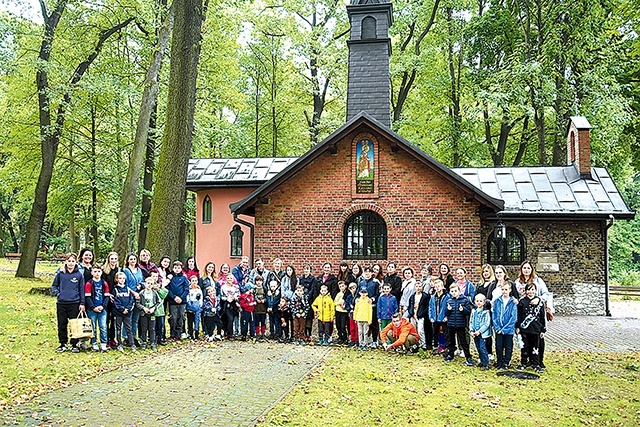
(50, 133)
(149, 165)
(149, 100)
(9, 224)
(169, 193)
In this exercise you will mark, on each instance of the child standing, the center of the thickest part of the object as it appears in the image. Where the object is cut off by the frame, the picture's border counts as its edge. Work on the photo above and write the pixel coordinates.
(123, 302)
(299, 308)
(194, 308)
(418, 310)
(363, 315)
(147, 304)
(260, 312)
(68, 287)
(342, 316)
(286, 319)
(178, 290)
(96, 294)
(437, 315)
(505, 316)
(210, 315)
(162, 291)
(324, 310)
(349, 305)
(273, 306)
(458, 308)
(248, 305)
(480, 329)
(532, 324)
(387, 306)
(229, 294)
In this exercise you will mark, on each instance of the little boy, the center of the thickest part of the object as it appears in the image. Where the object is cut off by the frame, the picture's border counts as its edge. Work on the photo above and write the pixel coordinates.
(438, 317)
(324, 310)
(161, 337)
(387, 306)
(260, 312)
(177, 296)
(342, 316)
(273, 306)
(363, 315)
(96, 295)
(480, 329)
(532, 324)
(248, 305)
(147, 304)
(123, 302)
(299, 309)
(505, 315)
(458, 308)
(194, 308)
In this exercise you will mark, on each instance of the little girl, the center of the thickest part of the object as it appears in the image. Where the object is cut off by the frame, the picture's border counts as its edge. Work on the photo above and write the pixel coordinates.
(210, 316)
(437, 308)
(229, 294)
(531, 324)
(194, 308)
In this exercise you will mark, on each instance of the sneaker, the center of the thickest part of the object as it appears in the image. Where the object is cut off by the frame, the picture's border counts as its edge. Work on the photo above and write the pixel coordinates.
(120, 349)
(538, 369)
(458, 353)
(325, 343)
(62, 348)
(103, 347)
(83, 345)
(374, 344)
(154, 347)
(448, 358)
(217, 338)
(184, 336)
(521, 367)
(210, 338)
(94, 347)
(162, 342)
(413, 348)
(469, 362)
(133, 348)
(491, 357)
(484, 367)
(75, 349)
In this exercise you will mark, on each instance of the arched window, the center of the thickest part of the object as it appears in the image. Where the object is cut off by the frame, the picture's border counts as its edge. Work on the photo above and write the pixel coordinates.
(369, 28)
(236, 240)
(506, 251)
(206, 210)
(364, 236)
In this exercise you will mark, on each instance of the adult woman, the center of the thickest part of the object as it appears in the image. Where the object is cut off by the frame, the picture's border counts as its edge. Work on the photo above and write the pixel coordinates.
(378, 275)
(164, 270)
(164, 277)
(487, 277)
(210, 279)
(426, 278)
(408, 289)
(308, 281)
(109, 271)
(135, 282)
(289, 282)
(275, 274)
(467, 288)
(191, 268)
(528, 275)
(344, 274)
(444, 274)
(327, 278)
(145, 264)
(85, 264)
(495, 289)
(356, 272)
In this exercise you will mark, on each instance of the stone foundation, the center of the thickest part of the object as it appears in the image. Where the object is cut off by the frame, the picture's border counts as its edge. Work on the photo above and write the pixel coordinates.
(582, 298)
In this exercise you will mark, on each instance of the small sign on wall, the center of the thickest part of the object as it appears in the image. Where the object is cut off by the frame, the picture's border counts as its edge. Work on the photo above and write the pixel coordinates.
(548, 261)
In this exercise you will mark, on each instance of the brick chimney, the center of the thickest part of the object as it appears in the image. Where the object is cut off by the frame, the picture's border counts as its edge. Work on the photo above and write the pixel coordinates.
(369, 86)
(579, 145)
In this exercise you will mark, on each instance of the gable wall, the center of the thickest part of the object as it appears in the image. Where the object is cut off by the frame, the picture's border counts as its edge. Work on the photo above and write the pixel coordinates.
(427, 217)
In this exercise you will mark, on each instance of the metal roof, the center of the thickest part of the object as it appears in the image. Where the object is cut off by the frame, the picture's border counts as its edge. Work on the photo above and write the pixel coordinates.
(203, 173)
(543, 191)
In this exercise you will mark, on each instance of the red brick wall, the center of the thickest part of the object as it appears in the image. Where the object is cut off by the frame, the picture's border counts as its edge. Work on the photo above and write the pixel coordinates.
(427, 217)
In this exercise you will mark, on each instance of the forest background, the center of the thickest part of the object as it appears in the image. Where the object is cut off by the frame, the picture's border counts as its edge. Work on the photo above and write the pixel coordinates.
(474, 83)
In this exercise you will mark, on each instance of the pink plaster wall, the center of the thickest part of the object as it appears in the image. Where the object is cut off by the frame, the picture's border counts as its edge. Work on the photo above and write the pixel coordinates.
(213, 242)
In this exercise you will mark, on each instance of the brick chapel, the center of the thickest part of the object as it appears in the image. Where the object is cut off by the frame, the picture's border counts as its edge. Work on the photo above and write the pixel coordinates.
(367, 194)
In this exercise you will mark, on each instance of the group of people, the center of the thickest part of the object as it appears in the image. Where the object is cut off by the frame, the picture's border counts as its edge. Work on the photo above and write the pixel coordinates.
(441, 313)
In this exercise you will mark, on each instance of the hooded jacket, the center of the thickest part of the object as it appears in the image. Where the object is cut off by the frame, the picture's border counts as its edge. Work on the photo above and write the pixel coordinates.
(438, 307)
(505, 316)
(178, 287)
(68, 287)
(401, 332)
(324, 307)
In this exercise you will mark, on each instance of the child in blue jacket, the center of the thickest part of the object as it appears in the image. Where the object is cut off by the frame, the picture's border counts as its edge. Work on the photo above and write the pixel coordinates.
(123, 302)
(68, 287)
(480, 329)
(437, 315)
(505, 315)
(177, 297)
(458, 308)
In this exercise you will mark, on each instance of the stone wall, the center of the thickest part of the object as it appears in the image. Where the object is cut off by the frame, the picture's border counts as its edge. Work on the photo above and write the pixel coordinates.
(578, 285)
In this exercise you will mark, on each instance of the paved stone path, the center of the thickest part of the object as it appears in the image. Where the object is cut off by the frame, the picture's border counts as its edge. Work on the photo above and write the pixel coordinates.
(233, 383)
(593, 333)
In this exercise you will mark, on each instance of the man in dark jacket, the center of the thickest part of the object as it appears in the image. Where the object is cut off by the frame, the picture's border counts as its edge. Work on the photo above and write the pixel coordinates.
(68, 286)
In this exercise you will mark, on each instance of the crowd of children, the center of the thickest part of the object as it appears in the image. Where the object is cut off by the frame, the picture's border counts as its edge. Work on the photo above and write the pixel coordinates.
(437, 313)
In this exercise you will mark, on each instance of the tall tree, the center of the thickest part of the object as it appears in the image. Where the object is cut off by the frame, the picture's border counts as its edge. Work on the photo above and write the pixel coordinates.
(136, 161)
(51, 126)
(168, 196)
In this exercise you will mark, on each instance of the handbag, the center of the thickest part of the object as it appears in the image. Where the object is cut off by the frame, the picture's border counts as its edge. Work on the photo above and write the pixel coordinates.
(80, 327)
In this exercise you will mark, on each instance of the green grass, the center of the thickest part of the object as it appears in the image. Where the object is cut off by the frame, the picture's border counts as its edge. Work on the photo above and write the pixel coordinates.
(378, 389)
(28, 338)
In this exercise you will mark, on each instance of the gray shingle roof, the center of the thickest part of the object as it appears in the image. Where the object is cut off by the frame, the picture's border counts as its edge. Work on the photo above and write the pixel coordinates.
(234, 172)
(549, 191)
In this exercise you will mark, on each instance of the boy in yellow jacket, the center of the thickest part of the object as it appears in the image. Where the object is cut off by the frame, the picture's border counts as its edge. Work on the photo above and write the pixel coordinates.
(325, 309)
(363, 315)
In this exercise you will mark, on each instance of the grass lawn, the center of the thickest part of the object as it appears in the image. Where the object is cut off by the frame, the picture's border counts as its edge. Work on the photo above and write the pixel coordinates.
(373, 388)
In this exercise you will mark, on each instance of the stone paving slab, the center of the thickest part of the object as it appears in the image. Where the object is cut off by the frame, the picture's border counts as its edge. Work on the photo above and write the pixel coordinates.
(593, 333)
(233, 383)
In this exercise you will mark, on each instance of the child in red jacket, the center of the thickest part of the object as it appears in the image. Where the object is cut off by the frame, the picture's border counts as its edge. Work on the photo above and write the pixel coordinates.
(248, 305)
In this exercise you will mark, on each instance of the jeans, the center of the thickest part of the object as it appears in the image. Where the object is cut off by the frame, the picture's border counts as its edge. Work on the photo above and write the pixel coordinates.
(147, 329)
(99, 320)
(504, 349)
(481, 346)
(247, 324)
(275, 328)
(193, 322)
